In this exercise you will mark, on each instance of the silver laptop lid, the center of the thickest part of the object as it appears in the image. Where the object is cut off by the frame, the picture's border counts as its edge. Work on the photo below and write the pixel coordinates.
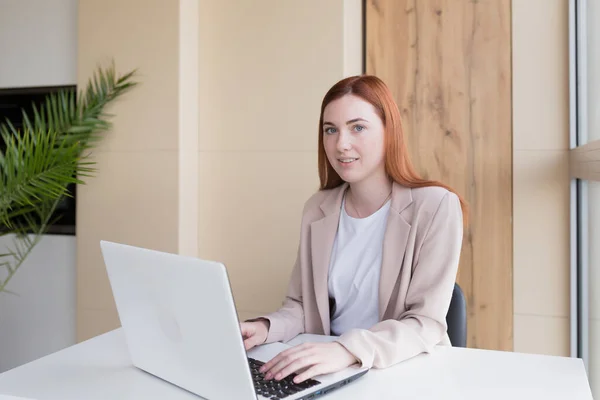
(179, 320)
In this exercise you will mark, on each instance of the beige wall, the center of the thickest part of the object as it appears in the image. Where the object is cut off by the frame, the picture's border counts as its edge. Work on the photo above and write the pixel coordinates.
(540, 176)
(214, 153)
(137, 194)
(260, 99)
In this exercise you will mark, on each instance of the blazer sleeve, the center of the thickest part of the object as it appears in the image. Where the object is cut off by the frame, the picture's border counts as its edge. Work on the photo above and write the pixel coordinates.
(423, 324)
(288, 321)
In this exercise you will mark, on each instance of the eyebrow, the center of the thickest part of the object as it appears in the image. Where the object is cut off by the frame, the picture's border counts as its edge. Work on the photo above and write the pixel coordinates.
(347, 123)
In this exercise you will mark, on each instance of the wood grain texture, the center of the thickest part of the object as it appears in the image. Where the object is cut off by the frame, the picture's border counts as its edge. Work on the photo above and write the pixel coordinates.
(448, 63)
(584, 161)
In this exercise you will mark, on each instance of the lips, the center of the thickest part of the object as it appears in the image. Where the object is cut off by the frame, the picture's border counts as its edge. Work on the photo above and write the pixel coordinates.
(347, 160)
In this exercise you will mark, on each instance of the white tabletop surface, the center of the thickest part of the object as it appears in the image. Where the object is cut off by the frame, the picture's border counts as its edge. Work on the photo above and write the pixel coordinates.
(100, 369)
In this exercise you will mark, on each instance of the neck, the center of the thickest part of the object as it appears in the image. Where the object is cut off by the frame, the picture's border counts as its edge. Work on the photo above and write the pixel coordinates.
(368, 196)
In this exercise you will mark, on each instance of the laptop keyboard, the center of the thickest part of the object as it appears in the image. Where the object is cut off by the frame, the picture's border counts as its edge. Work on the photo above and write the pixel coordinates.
(273, 389)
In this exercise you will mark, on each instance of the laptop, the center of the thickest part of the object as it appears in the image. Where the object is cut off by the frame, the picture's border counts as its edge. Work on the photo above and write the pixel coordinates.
(180, 324)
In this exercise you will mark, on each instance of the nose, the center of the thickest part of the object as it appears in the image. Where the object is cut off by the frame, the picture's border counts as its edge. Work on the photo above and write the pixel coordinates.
(343, 142)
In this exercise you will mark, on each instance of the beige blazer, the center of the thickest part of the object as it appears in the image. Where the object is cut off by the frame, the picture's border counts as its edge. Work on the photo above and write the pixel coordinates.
(421, 250)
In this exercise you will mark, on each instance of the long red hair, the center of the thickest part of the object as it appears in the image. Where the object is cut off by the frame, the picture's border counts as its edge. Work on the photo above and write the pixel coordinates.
(398, 165)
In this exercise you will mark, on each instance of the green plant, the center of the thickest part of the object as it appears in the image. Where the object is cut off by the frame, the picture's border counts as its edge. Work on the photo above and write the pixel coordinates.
(48, 154)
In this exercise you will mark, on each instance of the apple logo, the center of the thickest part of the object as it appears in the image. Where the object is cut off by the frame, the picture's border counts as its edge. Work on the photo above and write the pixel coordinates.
(168, 324)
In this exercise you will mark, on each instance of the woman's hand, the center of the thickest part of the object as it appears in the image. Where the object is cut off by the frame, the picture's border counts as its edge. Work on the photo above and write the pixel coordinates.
(314, 358)
(254, 333)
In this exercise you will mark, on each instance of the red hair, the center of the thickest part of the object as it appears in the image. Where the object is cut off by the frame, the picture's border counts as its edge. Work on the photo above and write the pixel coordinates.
(397, 161)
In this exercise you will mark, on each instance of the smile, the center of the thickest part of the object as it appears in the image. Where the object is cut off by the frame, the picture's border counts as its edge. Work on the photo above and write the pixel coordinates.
(347, 160)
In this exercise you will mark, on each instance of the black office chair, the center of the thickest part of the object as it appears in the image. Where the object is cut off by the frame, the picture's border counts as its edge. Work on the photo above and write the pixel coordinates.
(457, 318)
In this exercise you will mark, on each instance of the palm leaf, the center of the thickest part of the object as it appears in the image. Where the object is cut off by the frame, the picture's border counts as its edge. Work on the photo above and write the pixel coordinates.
(42, 159)
(35, 166)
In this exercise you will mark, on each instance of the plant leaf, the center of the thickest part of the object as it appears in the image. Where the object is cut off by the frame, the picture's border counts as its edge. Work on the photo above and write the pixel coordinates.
(47, 154)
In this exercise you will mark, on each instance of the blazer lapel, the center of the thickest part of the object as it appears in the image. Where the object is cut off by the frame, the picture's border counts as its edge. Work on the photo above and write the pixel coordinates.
(394, 245)
(323, 233)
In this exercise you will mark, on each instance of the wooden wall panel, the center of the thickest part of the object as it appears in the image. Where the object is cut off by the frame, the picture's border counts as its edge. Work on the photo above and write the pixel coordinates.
(448, 63)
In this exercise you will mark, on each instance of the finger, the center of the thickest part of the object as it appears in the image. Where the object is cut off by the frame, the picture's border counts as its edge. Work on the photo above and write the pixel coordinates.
(317, 369)
(295, 366)
(250, 342)
(285, 357)
(275, 360)
(246, 331)
(285, 361)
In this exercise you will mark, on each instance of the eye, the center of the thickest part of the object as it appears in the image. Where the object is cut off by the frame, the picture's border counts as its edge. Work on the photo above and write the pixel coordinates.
(359, 128)
(329, 131)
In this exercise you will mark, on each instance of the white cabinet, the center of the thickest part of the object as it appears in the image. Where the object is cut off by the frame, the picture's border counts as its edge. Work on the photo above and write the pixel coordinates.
(38, 43)
(40, 319)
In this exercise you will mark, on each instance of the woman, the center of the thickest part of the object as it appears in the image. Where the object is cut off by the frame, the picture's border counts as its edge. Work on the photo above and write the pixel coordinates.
(379, 247)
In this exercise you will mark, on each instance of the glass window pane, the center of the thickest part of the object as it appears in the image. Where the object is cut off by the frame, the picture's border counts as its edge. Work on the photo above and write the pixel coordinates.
(593, 230)
(590, 218)
(593, 66)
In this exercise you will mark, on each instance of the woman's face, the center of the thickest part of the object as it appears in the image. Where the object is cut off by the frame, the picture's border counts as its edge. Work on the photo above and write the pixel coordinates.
(353, 137)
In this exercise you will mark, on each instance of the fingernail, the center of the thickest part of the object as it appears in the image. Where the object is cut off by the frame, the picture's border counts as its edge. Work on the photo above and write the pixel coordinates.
(268, 376)
(278, 377)
(262, 369)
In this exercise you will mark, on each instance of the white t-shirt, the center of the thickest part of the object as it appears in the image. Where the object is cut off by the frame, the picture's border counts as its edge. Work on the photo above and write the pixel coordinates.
(354, 270)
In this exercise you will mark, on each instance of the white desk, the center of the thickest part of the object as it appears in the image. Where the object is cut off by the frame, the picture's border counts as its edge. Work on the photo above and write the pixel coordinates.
(100, 369)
